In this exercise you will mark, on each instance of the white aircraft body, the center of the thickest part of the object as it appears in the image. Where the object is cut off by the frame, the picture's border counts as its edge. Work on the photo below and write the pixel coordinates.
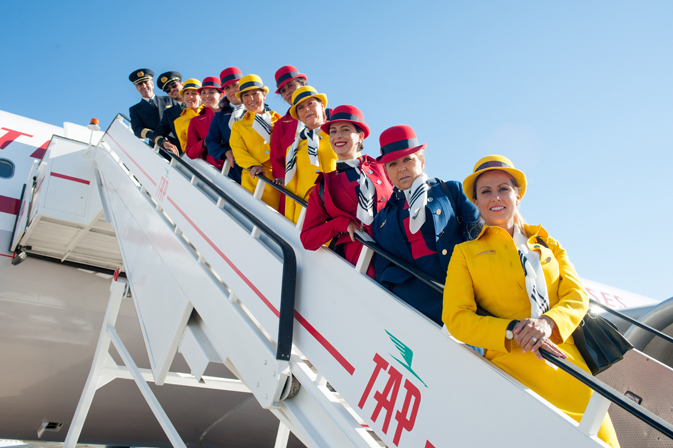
(86, 207)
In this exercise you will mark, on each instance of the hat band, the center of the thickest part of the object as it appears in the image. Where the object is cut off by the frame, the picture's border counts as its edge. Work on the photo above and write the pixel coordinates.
(210, 84)
(303, 95)
(191, 85)
(284, 77)
(250, 85)
(143, 79)
(492, 164)
(399, 145)
(341, 116)
(230, 77)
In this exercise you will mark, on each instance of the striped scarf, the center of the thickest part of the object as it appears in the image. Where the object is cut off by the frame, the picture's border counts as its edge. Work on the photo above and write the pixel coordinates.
(536, 286)
(262, 125)
(365, 211)
(417, 198)
(312, 140)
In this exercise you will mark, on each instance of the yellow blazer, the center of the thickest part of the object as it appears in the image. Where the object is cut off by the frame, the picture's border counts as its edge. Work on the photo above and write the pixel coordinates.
(488, 271)
(250, 149)
(304, 178)
(182, 124)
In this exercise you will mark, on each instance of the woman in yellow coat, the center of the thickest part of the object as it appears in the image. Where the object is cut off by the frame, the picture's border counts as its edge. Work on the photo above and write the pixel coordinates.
(311, 152)
(520, 274)
(250, 137)
(192, 108)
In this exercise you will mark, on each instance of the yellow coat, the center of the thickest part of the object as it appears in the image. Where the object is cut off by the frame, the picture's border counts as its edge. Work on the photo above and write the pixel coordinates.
(182, 124)
(304, 178)
(249, 149)
(487, 271)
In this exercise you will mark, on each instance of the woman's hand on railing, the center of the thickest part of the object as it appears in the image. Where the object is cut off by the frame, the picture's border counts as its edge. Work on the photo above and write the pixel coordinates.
(352, 228)
(533, 334)
(255, 170)
(230, 157)
(280, 181)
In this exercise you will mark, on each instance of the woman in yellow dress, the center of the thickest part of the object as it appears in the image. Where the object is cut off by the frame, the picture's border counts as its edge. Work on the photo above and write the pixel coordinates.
(311, 152)
(250, 137)
(190, 93)
(520, 274)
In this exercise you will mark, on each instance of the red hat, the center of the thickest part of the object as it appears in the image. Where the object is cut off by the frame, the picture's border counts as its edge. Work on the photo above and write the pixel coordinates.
(398, 141)
(230, 75)
(347, 113)
(286, 74)
(211, 82)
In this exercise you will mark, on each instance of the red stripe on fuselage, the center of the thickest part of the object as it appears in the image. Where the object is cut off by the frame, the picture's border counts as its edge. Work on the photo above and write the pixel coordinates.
(9, 205)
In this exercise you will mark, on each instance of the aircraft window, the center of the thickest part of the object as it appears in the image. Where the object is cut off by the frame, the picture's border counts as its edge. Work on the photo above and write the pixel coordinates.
(6, 169)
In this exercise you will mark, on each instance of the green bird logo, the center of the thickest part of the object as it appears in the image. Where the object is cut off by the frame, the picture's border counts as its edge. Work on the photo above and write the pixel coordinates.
(407, 355)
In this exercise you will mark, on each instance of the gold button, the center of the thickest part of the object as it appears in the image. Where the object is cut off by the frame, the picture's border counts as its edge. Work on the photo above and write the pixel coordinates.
(439, 211)
(444, 252)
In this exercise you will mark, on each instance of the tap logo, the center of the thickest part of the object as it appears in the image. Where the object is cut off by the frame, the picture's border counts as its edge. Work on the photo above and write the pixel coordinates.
(407, 355)
(391, 395)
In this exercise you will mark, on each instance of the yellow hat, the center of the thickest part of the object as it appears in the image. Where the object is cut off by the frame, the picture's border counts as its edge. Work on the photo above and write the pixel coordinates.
(190, 84)
(489, 163)
(302, 94)
(250, 82)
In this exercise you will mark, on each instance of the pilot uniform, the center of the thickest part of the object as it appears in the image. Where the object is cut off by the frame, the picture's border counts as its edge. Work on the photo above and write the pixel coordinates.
(146, 115)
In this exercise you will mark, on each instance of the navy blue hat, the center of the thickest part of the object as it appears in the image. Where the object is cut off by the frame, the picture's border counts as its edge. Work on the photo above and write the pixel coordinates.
(141, 75)
(168, 77)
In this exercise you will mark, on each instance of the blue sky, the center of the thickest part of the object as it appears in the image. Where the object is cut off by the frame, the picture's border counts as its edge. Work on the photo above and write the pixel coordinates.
(578, 94)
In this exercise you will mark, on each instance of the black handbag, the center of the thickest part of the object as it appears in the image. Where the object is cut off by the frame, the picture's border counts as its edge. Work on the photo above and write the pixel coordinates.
(600, 343)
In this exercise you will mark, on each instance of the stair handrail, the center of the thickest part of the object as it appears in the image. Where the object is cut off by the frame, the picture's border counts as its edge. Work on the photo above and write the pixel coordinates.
(598, 386)
(289, 274)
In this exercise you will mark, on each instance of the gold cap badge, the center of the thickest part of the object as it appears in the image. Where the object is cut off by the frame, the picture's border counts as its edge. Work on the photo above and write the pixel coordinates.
(141, 74)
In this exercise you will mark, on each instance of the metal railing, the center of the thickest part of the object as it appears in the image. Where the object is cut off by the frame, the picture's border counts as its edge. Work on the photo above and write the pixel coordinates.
(598, 386)
(289, 275)
(286, 321)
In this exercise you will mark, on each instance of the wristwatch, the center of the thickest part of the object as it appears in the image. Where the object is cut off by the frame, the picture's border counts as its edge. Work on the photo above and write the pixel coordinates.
(509, 333)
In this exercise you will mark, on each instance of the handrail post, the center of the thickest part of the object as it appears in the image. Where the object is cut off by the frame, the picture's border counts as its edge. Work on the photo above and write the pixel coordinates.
(594, 414)
(364, 259)
(226, 167)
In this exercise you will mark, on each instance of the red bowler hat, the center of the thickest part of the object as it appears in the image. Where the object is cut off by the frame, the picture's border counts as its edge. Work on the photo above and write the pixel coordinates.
(286, 74)
(347, 113)
(230, 75)
(398, 141)
(211, 82)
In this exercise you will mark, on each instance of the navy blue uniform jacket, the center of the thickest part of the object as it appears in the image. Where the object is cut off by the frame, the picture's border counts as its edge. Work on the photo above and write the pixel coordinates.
(145, 116)
(217, 141)
(431, 254)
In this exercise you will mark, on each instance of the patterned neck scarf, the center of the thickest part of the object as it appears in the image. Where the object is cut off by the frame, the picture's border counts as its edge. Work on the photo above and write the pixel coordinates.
(312, 140)
(236, 114)
(365, 211)
(262, 125)
(417, 198)
(536, 286)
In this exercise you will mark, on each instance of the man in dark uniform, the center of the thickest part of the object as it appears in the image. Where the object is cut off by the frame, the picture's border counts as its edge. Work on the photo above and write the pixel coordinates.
(146, 115)
(164, 134)
(171, 83)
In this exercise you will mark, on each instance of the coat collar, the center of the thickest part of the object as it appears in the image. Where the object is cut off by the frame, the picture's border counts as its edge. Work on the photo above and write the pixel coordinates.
(533, 231)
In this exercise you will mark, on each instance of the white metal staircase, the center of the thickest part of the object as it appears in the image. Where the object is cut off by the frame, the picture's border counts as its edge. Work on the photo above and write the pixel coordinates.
(207, 281)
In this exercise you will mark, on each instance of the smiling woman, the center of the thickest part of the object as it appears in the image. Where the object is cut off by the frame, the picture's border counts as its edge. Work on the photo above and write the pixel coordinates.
(211, 92)
(310, 153)
(251, 135)
(422, 222)
(524, 279)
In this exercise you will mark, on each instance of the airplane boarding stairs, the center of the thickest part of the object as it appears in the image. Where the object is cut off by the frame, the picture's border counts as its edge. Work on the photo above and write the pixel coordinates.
(220, 277)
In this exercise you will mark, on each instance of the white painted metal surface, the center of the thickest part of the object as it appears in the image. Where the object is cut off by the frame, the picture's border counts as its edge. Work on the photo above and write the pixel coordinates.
(344, 321)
